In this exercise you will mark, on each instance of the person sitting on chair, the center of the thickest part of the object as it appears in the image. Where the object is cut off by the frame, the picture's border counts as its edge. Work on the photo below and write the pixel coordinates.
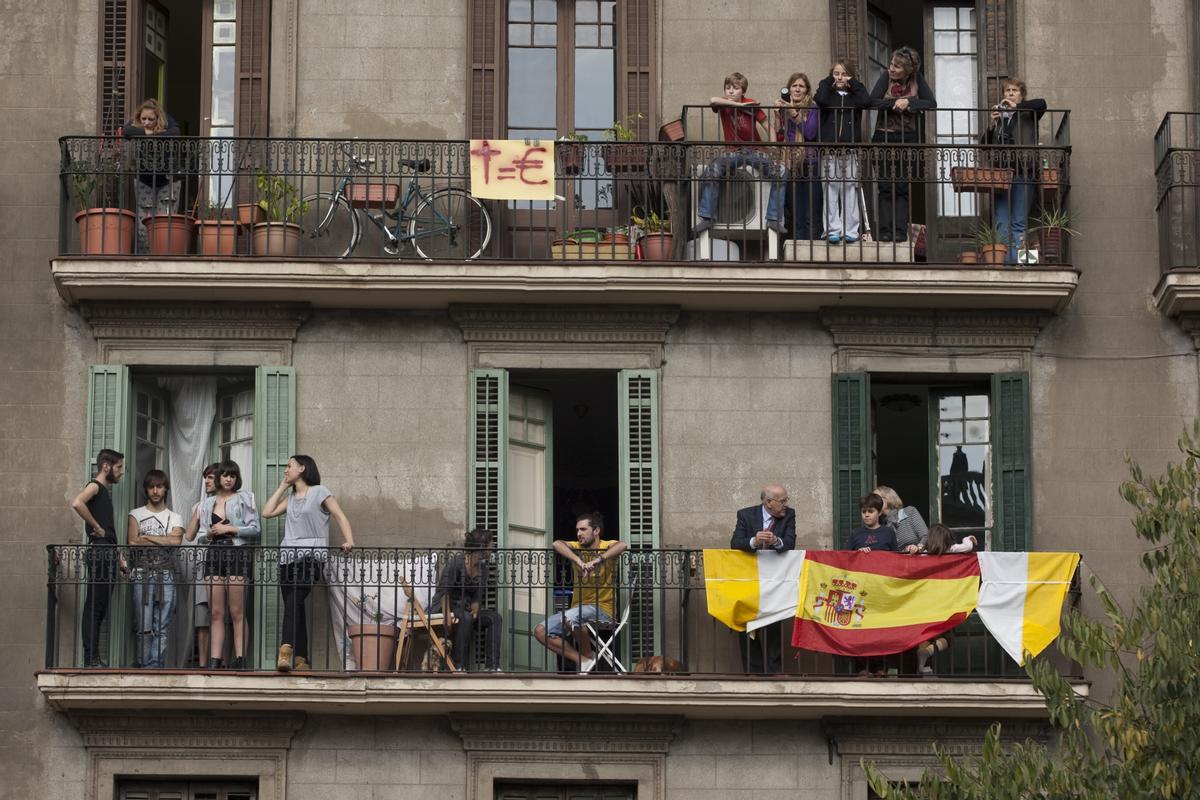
(461, 590)
(593, 596)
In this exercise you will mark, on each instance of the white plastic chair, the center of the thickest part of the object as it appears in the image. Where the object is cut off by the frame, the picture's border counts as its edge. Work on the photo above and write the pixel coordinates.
(604, 635)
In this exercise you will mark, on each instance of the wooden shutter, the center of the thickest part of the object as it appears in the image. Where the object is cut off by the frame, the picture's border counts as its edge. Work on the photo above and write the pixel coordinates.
(485, 57)
(489, 440)
(108, 426)
(1011, 492)
(635, 83)
(274, 443)
(119, 46)
(851, 450)
(253, 67)
(637, 402)
(996, 46)
(848, 34)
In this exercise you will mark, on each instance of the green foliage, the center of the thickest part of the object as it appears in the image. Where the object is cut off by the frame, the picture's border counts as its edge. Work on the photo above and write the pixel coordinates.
(986, 234)
(652, 222)
(95, 178)
(1145, 742)
(280, 199)
(1053, 218)
(623, 130)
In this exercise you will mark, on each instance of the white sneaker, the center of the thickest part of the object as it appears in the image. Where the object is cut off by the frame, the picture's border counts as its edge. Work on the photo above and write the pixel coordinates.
(587, 664)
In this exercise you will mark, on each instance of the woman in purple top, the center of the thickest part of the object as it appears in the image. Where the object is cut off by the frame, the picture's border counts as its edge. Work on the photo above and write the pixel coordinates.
(798, 120)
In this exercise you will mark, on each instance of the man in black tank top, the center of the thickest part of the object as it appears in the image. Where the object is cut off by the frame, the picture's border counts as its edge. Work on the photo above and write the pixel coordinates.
(94, 506)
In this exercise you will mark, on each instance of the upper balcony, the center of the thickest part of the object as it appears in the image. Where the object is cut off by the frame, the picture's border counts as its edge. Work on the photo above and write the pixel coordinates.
(393, 224)
(1177, 172)
(370, 650)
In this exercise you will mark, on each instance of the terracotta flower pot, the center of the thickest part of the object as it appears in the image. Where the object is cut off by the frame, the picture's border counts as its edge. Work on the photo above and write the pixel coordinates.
(570, 157)
(993, 253)
(169, 234)
(657, 246)
(106, 231)
(968, 257)
(1050, 243)
(625, 157)
(250, 214)
(216, 237)
(277, 239)
(373, 646)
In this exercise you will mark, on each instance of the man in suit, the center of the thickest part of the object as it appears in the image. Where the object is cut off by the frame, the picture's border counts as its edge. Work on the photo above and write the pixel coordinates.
(770, 526)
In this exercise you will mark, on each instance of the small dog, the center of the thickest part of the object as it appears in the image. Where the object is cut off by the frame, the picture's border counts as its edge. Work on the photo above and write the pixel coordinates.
(661, 664)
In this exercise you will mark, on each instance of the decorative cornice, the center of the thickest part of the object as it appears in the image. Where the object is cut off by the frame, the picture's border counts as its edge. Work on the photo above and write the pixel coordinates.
(573, 324)
(871, 327)
(209, 321)
(541, 734)
(193, 731)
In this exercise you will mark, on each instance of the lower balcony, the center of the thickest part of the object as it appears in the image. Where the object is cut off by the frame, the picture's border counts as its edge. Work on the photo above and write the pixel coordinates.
(380, 642)
(397, 224)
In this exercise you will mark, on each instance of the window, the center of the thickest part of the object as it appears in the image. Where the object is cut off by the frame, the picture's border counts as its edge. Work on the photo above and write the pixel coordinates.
(963, 458)
(186, 790)
(565, 791)
(149, 430)
(234, 429)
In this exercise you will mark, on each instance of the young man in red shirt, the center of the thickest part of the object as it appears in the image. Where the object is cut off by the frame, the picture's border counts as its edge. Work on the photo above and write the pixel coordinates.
(742, 120)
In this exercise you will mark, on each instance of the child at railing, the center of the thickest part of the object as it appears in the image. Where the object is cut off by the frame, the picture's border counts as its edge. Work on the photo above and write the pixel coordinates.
(1015, 122)
(741, 121)
(841, 98)
(941, 541)
(157, 186)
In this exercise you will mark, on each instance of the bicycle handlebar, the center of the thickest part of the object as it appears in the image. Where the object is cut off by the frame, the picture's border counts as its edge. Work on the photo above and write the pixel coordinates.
(359, 163)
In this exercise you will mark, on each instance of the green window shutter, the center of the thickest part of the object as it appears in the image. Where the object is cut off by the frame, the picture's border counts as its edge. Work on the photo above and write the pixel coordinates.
(108, 425)
(489, 445)
(638, 430)
(274, 443)
(1011, 492)
(851, 450)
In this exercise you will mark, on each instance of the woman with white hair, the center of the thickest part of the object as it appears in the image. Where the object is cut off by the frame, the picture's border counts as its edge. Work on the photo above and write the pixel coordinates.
(910, 527)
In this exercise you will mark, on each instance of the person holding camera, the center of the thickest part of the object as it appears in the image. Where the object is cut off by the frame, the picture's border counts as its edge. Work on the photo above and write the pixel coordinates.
(1014, 123)
(797, 120)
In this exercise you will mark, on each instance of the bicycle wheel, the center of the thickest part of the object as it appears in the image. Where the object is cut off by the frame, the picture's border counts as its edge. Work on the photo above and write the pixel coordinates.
(450, 224)
(330, 226)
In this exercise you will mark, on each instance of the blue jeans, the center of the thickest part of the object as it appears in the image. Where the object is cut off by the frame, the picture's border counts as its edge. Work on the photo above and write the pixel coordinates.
(573, 618)
(1012, 212)
(154, 610)
(721, 166)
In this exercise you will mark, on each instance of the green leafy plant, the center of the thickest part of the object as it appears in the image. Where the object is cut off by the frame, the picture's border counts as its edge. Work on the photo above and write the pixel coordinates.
(986, 235)
(95, 179)
(574, 136)
(280, 200)
(651, 222)
(623, 130)
(1142, 739)
(1049, 219)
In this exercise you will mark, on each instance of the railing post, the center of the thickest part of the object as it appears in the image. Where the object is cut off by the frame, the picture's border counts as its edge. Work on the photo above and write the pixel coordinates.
(51, 607)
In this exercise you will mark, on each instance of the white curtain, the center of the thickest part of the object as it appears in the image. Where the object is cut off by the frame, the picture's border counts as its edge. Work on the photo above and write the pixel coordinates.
(193, 410)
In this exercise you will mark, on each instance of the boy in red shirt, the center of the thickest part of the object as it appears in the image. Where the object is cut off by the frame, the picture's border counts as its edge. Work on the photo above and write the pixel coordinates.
(742, 120)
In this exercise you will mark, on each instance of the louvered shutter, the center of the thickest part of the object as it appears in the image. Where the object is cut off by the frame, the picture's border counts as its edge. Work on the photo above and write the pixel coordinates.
(851, 450)
(996, 46)
(489, 437)
(118, 51)
(638, 433)
(485, 49)
(636, 84)
(848, 35)
(1011, 490)
(253, 67)
(274, 443)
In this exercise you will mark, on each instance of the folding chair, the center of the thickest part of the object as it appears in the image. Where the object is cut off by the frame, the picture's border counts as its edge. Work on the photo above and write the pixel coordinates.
(604, 635)
(415, 620)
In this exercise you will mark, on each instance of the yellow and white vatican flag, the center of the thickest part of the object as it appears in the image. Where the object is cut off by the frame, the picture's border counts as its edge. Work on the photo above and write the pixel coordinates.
(1021, 598)
(747, 591)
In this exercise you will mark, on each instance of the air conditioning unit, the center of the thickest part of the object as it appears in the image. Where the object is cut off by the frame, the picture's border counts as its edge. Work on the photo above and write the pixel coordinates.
(742, 205)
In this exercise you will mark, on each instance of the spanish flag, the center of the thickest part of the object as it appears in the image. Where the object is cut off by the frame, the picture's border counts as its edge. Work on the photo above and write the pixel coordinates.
(867, 604)
(1021, 598)
(747, 591)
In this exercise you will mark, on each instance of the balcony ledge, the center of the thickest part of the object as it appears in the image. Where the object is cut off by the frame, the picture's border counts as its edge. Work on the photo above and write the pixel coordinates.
(697, 697)
(779, 286)
(1178, 292)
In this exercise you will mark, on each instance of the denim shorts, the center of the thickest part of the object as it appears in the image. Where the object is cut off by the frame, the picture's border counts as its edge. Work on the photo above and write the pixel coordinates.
(573, 618)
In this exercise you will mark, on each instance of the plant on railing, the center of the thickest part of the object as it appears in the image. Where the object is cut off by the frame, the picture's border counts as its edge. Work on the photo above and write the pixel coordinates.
(621, 156)
(572, 153)
(1051, 224)
(992, 242)
(657, 243)
(280, 199)
(96, 180)
(623, 130)
(216, 229)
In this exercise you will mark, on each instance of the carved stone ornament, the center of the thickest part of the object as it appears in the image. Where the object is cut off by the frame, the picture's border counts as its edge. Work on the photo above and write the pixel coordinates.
(195, 731)
(549, 735)
(890, 329)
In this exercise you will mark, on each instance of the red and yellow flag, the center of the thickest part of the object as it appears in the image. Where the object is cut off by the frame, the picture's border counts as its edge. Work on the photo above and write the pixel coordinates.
(867, 604)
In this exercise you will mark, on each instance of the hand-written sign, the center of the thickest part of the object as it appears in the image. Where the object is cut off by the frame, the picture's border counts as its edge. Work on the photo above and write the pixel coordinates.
(512, 169)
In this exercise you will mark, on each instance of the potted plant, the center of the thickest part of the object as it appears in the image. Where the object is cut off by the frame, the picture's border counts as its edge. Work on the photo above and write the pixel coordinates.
(280, 202)
(373, 643)
(169, 234)
(216, 235)
(572, 152)
(992, 243)
(622, 155)
(657, 242)
(104, 228)
(1050, 225)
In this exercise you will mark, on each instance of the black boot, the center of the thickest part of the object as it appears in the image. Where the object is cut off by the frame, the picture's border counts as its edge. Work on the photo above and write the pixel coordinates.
(215, 663)
(238, 663)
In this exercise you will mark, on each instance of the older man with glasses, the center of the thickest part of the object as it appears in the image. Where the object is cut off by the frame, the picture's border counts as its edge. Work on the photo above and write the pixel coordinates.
(768, 527)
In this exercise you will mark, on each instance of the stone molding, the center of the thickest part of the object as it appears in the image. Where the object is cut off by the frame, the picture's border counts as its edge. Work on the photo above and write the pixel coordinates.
(485, 769)
(539, 734)
(194, 332)
(891, 329)
(1189, 321)
(565, 336)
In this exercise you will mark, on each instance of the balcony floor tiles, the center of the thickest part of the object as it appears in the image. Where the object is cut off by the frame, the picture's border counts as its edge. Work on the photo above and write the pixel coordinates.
(728, 697)
(771, 286)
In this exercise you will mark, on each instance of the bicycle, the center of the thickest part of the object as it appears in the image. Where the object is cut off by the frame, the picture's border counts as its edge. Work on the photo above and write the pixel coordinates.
(445, 224)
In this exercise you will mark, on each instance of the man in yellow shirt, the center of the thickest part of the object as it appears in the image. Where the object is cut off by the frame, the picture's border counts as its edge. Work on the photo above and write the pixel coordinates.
(593, 559)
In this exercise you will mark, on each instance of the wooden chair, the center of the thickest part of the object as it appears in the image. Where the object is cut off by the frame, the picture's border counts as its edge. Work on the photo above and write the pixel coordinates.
(416, 620)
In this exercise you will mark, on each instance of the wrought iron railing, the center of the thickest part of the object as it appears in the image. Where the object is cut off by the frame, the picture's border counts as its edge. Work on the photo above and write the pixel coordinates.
(1177, 173)
(124, 608)
(937, 201)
